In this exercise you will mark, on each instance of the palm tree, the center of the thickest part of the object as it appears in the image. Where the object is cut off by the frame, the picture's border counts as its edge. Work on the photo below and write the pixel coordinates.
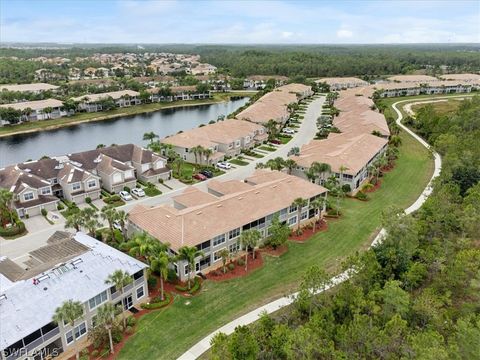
(145, 245)
(318, 204)
(395, 140)
(160, 263)
(272, 130)
(207, 153)
(68, 313)
(26, 113)
(122, 218)
(224, 254)
(90, 220)
(189, 254)
(120, 279)
(106, 318)
(198, 151)
(109, 214)
(342, 169)
(75, 221)
(48, 110)
(276, 164)
(178, 163)
(6, 200)
(299, 203)
(249, 239)
(150, 136)
(290, 164)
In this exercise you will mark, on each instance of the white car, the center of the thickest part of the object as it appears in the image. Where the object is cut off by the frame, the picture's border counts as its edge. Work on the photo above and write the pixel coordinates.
(116, 225)
(288, 131)
(139, 192)
(224, 165)
(125, 195)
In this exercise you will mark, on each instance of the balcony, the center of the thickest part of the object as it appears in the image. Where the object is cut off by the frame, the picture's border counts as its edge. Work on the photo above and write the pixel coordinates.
(139, 280)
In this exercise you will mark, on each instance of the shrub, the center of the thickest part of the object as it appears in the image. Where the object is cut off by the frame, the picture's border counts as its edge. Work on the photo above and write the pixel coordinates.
(27, 216)
(366, 186)
(88, 200)
(117, 336)
(231, 266)
(117, 234)
(196, 286)
(160, 181)
(138, 186)
(157, 303)
(129, 330)
(44, 212)
(60, 206)
(131, 321)
(240, 262)
(17, 229)
(152, 282)
(361, 196)
(172, 276)
(346, 188)
(126, 188)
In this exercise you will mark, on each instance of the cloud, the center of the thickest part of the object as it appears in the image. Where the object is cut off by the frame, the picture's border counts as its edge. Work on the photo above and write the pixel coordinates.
(344, 33)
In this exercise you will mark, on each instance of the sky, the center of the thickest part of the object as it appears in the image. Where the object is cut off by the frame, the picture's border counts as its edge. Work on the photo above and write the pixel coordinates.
(245, 22)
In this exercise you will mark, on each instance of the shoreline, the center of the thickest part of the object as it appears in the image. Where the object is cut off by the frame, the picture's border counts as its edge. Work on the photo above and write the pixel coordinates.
(140, 111)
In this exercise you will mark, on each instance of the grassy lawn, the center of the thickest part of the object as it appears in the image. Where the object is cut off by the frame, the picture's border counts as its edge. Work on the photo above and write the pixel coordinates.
(151, 191)
(238, 162)
(284, 139)
(267, 148)
(98, 116)
(167, 333)
(442, 108)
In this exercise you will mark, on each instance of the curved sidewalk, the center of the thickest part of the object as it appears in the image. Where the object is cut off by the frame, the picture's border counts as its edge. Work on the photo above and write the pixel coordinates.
(203, 345)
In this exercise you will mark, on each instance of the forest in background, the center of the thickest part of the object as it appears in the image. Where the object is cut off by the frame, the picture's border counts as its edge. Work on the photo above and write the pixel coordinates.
(414, 296)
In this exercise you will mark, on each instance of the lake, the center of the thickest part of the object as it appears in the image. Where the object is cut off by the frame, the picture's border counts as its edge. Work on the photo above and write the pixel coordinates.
(122, 130)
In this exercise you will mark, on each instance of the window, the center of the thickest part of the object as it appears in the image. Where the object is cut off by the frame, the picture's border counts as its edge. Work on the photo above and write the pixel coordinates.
(28, 196)
(304, 215)
(283, 212)
(216, 256)
(138, 275)
(76, 186)
(98, 300)
(234, 233)
(45, 191)
(292, 220)
(91, 183)
(140, 292)
(217, 240)
(233, 248)
(292, 209)
(80, 330)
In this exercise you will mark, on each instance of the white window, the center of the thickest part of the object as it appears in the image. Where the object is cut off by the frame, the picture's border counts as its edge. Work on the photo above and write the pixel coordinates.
(233, 248)
(45, 191)
(140, 292)
(28, 196)
(216, 256)
(292, 220)
(304, 215)
(217, 240)
(292, 209)
(234, 233)
(97, 300)
(76, 186)
(80, 330)
(91, 183)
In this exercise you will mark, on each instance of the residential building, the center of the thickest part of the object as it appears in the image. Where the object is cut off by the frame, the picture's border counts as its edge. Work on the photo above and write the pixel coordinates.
(228, 137)
(461, 77)
(35, 88)
(69, 267)
(427, 88)
(349, 156)
(93, 102)
(214, 220)
(177, 93)
(38, 109)
(31, 193)
(412, 78)
(203, 69)
(342, 83)
(259, 82)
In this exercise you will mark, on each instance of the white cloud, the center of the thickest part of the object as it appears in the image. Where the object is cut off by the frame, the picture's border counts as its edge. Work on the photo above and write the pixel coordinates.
(287, 34)
(344, 33)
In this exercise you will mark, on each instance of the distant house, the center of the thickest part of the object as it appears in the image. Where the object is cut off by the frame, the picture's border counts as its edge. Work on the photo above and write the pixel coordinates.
(259, 82)
(69, 267)
(426, 88)
(177, 93)
(31, 193)
(93, 102)
(38, 109)
(342, 83)
(35, 88)
(203, 69)
(223, 138)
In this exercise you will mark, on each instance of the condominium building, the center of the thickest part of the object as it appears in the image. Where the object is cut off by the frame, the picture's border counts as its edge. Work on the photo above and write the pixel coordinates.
(214, 220)
(342, 83)
(35, 88)
(223, 138)
(93, 102)
(69, 267)
(38, 109)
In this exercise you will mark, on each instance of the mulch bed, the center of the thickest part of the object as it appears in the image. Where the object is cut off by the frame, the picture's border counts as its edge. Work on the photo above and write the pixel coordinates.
(307, 233)
(239, 271)
(279, 251)
(375, 187)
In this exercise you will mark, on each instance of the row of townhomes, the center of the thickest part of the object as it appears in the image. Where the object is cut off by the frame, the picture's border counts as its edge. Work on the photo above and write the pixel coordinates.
(350, 152)
(274, 105)
(69, 267)
(342, 83)
(214, 220)
(40, 184)
(410, 85)
(93, 102)
(178, 93)
(223, 138)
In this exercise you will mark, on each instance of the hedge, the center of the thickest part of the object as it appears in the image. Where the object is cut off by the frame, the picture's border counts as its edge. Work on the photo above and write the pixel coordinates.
(156, 303)
(14, 230)
(196, 286)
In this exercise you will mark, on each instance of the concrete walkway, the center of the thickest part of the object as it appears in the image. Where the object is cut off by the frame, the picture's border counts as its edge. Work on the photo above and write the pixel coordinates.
(203, 345)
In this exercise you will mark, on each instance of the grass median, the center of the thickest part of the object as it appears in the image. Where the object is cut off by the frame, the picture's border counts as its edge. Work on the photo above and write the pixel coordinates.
(166, 334)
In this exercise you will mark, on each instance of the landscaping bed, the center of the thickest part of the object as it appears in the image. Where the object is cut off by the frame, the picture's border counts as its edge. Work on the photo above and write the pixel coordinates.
(114, 200)
(279, 251)
(14, 231)
(307, 232)
(239, 269)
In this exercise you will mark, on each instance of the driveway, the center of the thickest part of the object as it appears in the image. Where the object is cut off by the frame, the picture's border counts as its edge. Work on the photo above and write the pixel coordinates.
(39, 234)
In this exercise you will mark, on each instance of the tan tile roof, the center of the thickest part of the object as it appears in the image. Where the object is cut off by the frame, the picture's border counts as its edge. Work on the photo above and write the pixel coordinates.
(365, 121)
(352, 151)
(267, 77)
(194, 225)
(412, 78)
(192, 196)
(28, 87)
(461, 77)
(343, 81)
(113, 94)
(34, 105)
(222, 132)
(227, 187)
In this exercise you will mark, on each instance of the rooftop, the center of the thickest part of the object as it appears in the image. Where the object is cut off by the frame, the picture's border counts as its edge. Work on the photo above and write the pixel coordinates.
(34, 105)
(113, 94)
(28, 87)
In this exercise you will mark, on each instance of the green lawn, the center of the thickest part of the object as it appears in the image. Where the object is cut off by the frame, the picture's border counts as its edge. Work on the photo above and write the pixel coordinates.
(167, 333)
(238, 162)
(267, 148)
(443, 107)
(284, 139)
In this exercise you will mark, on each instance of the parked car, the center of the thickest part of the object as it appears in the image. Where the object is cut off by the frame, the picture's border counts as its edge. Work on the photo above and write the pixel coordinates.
(224, 165)
(125, 195)
(138, 191)
(288, 131)
(116, 225)
(207, 173)
(200, 177)
(275, 141)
